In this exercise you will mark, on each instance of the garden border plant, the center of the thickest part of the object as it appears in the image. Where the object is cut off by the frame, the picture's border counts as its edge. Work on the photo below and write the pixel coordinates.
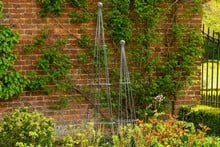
(26, 128)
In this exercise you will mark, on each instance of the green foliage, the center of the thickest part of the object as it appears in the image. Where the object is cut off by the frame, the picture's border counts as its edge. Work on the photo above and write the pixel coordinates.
(202, 115)
(118, 23)
(155, 73)
(163, 133)
(178, 70)
(54, 64)
(38, 41)
(80, 3)
(84, 41)
(156, 132)
(83, 135)
(51, 6)
(1, 9)
(62, 103)
(82, 14)
(211, 15)
(23, 127)
(79, 17)
(12, 83)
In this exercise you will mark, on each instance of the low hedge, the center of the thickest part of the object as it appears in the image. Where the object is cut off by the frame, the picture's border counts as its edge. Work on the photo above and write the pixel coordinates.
(202, 115)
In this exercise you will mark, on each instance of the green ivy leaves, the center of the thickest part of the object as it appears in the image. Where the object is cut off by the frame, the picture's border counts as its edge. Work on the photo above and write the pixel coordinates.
(12, 83)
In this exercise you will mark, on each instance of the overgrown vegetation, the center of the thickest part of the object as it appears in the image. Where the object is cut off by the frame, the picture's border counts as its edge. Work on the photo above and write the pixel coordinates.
(26, 128)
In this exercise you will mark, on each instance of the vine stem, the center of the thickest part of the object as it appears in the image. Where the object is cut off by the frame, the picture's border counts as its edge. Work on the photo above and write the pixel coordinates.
(174, 3)
(65, 28)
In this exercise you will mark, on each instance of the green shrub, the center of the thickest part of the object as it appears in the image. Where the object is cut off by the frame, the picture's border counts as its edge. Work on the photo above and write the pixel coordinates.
(26, 128)
(202, 115)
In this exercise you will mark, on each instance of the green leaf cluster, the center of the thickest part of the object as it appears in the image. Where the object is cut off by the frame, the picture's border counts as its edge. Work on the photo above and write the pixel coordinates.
(12, 82)
(51, 6)
(54, 64)
(202, 115)
(1, 9)
(24, 127)
(82, 13)
(84, 41)
(155, 72)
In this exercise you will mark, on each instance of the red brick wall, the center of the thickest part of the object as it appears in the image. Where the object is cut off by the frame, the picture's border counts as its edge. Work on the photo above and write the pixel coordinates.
(23, 16)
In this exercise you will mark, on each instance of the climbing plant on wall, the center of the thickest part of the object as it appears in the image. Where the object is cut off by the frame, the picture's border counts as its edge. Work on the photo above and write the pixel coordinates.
(1, 9)
(54, 64)
(12, 82)
(155, 72)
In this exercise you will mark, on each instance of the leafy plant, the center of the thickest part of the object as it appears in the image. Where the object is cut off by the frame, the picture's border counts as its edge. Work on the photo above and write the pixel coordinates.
(202, 115)
(54, 64)
(79, 17)
(62, 103)
(12, 82)
(38, 41)
(155, 71)
(158, 132)
(80, 3)
(1, 9)
(23, 127)
(51, 6)
(83, 135)
(84, 41)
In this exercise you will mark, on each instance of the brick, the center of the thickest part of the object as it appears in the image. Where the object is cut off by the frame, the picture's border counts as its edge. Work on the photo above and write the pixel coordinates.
(23, 16)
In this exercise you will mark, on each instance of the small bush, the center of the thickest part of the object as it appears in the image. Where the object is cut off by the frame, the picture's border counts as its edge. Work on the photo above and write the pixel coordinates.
(202, 115)
(26, 128)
